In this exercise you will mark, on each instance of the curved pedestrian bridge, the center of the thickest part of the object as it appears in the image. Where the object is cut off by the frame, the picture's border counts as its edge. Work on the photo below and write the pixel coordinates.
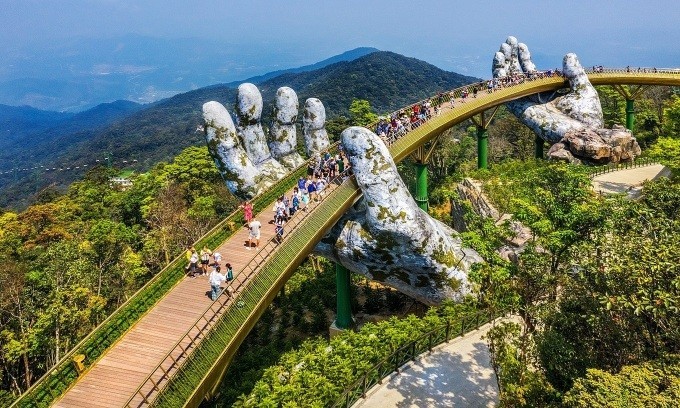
(169, 345)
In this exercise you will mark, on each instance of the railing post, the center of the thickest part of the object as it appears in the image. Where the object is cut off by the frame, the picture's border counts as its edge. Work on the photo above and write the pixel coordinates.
(448, 329)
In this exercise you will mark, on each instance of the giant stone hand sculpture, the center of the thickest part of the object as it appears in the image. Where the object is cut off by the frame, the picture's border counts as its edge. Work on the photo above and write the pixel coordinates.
(572, 123)
(246, 162)
(388, 238)
(385, 237)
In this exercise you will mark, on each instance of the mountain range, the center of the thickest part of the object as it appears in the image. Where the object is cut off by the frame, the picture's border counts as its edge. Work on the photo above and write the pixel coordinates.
(138, 136)
(81, 73)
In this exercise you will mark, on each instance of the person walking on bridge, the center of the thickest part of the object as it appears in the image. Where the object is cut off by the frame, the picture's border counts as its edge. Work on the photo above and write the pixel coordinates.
(254, 234)
(216, 279)
(205, 259)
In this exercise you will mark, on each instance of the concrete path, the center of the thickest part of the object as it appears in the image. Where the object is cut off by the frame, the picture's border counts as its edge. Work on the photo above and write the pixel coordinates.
(628, 181)
(455, 374)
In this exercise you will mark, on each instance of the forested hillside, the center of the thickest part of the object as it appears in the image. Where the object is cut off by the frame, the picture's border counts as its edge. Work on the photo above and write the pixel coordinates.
(70, 260)
(159, 132)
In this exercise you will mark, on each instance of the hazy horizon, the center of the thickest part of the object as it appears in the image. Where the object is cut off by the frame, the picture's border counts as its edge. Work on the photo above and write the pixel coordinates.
(66, 45)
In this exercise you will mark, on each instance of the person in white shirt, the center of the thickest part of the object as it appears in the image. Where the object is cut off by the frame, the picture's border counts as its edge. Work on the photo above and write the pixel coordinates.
(254, 226)
(193, 261)
(216, 279)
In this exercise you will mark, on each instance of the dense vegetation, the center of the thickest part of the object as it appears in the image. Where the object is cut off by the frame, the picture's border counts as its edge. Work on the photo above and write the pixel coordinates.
(71, 259)
(597, 287)
(305, 308)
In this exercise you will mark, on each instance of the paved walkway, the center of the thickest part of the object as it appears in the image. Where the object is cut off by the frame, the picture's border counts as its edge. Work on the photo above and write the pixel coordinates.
(455, 374)
(628, 181)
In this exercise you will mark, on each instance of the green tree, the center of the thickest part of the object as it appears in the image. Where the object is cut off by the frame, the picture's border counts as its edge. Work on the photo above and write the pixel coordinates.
(667, 151)
(671, 119)
(361, 114)
(652, 384)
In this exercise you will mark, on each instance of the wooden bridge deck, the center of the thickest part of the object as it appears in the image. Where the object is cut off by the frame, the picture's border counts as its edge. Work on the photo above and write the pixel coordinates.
(117, 375)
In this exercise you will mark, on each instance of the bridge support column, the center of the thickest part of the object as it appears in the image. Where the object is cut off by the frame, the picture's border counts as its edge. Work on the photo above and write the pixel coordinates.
(482, 147)
(630, 93)
(630, 114)
(343, 318)
(539, 143)
(482, 122)
(421, 186)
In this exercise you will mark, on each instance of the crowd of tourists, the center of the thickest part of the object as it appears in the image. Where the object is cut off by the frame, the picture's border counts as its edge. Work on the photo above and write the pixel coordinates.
(394, 126)
(199, 263)
(327, 166)
(310, 188)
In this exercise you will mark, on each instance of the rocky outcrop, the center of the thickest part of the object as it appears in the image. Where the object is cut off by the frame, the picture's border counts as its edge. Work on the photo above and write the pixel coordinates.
(470, 193)
(596, 146)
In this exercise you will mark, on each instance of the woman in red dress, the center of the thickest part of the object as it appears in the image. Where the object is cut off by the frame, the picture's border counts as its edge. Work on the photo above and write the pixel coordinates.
(247, 212)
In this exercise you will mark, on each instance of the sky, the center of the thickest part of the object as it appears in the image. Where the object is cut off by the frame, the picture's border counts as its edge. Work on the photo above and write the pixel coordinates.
(459, 36)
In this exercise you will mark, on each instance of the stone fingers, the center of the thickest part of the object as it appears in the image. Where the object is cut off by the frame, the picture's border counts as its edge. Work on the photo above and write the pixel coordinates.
(235, 166)
(390, 207)
(583, 102)
(249, 111)
(283, 135)
(314, 120)
(524, 57)
(498, 66)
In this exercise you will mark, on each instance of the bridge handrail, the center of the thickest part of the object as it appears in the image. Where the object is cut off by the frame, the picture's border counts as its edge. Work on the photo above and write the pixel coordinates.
(411, 350)
(611, 167)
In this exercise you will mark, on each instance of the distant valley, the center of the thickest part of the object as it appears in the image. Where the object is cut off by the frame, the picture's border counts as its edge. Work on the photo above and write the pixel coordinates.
(142, 135)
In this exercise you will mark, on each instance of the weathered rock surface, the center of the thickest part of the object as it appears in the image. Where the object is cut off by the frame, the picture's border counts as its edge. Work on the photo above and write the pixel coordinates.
(314, 120)
(565, 119)
(388, 238)
(470, 192)
(283, 135)
(241, 152)
(234, 165)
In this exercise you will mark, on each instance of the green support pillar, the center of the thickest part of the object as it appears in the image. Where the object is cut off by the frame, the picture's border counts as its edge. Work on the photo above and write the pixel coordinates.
(421, 186)
(538, 147)
(344, 319)
(482, 147)
(630, 114)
